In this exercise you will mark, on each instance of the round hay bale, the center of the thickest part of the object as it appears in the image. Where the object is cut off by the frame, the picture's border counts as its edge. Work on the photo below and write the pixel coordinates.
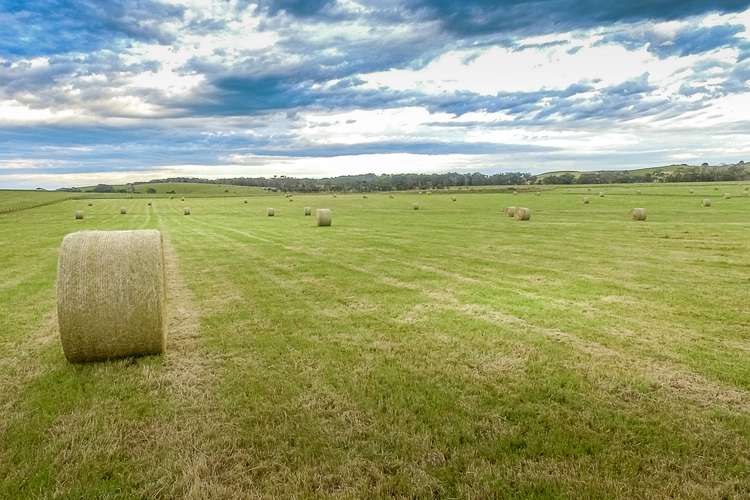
(183, 199)
(538, 193)
(415, 206)
(716, 188)
(270, 212)
(510, 211)
(727, 196)
(515, 192)
(308, 211)
(453, 198)
(111, 294)
(638, 214)
(586, 200)
(706, 202)
(364, 196)
(79, 215)
(692, 191)
(601, 195)
(323, 217)
(123, 210)
(186, 211)
(245, 202)
(291, 199)
(638, 191)
(523, 213)
(91, 204)
(390, 196)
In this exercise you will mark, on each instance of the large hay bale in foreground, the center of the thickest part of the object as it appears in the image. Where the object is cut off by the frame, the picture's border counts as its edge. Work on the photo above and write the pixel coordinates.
(308, 211)
(111, 294)
(323, 217)
(79, 215)
(510, 211)
(638, 214)
(270, 212)
(523, 213)
(123, 210)
(186, 211)
(706, 202)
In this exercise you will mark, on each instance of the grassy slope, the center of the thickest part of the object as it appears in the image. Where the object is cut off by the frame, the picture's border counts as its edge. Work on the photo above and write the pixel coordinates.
(448, 351)
(653, 170)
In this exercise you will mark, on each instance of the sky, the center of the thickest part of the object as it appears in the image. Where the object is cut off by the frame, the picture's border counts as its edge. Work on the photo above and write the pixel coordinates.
(127, 90)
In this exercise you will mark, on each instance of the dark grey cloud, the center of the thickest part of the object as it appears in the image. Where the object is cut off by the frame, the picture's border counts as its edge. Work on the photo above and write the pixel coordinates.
(533, 17)
(687, 41)
(43, 27)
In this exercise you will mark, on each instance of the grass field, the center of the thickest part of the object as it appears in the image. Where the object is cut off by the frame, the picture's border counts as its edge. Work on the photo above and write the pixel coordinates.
(444, 352)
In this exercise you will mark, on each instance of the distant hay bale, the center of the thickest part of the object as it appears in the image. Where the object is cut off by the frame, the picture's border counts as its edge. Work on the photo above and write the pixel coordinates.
(123, 210)
(727, 196)
(245, 202)
(308, 211)
(79, 215)
(186, 211)
(515, 192)
(390, 196)
(364, 196)
(183, 199)
(523, 213)
(716, 188)
(538, 193)
(601, 195)
(706, 202)
(638, 191)
(323, 217)
(291, 199)
(149, 203)
(586, 200)
(510, 211)
(111, 294)
(638, 213)
(270, 212)
(692, 191)
(453, 198)
(91, 204)
(415, 206)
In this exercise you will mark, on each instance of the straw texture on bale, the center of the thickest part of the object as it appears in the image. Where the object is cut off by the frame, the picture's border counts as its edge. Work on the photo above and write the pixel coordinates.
(79, 215)
(308, 211)
(123, 210)
(323, 217)
(510, 211)
(523, 213)
(706, 202)
(270, 212)
(638, 214)
(111, 294)
(186, 211)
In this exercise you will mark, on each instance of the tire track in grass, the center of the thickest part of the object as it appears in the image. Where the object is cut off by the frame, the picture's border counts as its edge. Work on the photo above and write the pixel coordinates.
(682, 382)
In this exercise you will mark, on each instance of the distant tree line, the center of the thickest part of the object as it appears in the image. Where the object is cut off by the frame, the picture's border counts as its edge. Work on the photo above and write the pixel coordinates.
(368, 182)
(679, 173)
(403, 182)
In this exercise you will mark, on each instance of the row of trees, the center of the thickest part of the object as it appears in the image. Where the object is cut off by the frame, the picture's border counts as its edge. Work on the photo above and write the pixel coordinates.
(679, 173)
(400, 182)
(370, 182)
